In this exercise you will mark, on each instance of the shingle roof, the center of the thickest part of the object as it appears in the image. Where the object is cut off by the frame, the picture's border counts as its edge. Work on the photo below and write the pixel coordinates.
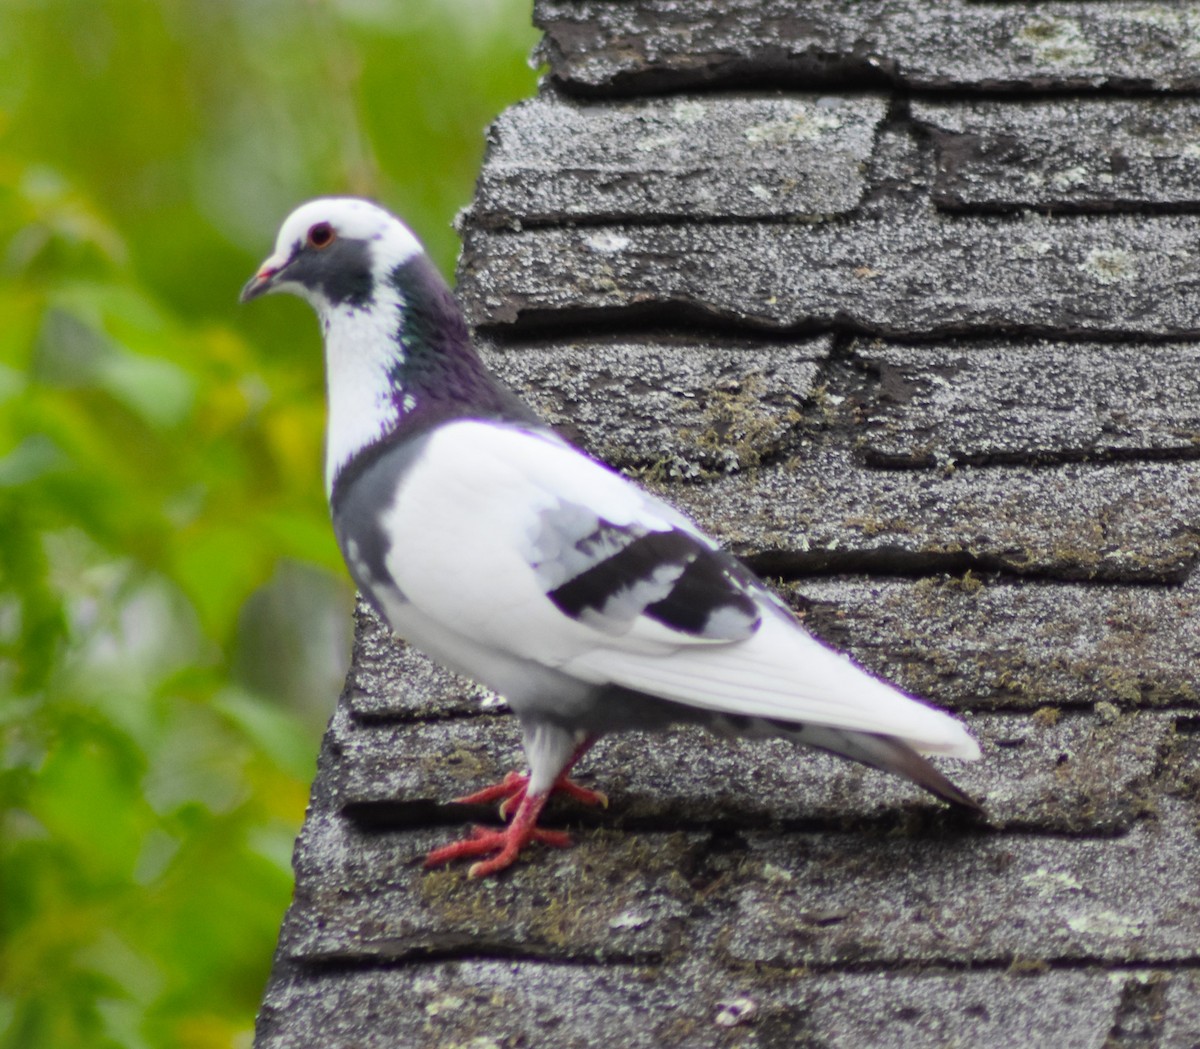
(902, 301)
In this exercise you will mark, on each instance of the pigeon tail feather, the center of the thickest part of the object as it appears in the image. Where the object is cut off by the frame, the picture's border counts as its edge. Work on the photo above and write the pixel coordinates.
(890, 755)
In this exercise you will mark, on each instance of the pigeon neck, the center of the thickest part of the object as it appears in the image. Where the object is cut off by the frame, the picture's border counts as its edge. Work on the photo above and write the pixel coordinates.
(401, 365)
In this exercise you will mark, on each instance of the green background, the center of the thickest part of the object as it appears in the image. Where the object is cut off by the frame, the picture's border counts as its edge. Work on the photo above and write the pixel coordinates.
(174, 617)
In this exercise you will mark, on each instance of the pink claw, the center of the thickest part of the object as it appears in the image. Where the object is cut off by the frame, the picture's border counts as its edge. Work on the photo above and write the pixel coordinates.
(507, 843)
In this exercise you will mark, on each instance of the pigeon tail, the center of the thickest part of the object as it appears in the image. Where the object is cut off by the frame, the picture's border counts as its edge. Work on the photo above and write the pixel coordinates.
(890, 755)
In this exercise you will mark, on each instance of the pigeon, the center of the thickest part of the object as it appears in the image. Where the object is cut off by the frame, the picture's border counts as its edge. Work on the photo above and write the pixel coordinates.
(490, 543)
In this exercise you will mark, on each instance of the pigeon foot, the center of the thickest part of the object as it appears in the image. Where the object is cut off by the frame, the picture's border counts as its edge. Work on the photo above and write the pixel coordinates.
(525, 807)
(506, 843)
(514, 786)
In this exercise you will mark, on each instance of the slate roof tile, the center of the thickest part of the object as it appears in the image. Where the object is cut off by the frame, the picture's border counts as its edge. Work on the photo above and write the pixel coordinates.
(622, 46)
(713, 900)
(995, 644)
(1121, 275)
(1017, 400)
(480, 1003)
(1179, 1010)
(702, 156)
(688, 408)
(1120, 153)
(1082, 772)
(898, 900)
(364, 895)
(823, 511)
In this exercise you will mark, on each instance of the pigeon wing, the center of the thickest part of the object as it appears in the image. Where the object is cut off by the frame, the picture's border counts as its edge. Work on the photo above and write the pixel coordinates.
(520, 543)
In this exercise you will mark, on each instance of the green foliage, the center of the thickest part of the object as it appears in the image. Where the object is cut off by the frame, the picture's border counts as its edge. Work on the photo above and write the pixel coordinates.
(173, 612)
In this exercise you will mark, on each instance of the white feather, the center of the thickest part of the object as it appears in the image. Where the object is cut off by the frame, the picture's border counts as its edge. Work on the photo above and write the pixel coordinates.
(463, 528)
(360, 345)
(359, 350)
(780, 672)
(392, 242)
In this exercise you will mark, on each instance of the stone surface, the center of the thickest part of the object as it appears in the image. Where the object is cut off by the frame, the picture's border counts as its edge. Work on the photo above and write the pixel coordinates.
(1180, 1022)
(485, 1004)
(840, 901)
(1021, 400)
(985, 643)
(615, 900)
(822, 511)
(623, 46)
(678, 889)
(687, 408)
(997, 156)
(1119, 275)
(732, 877)
(551, 159)
(791, 445)
(1079, 773)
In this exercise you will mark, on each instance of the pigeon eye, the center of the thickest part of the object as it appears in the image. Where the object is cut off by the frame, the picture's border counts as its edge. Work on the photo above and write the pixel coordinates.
(321, 236)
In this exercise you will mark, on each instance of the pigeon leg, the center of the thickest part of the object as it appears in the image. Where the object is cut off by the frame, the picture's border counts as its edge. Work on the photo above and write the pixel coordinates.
(523, 829)
(513, 787)
(506, 843)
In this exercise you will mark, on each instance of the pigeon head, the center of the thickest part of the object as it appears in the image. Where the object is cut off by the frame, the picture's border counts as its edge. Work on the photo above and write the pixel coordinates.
(334, 252)
(398, 354)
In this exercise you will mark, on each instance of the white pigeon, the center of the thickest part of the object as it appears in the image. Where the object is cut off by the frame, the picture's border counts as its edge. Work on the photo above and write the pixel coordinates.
(510, 556)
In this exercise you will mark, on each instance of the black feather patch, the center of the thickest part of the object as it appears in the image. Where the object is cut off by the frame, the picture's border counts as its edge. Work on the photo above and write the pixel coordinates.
(705, 589)
(669, 576)
(357, 508)
(638, 562)
(341, 272)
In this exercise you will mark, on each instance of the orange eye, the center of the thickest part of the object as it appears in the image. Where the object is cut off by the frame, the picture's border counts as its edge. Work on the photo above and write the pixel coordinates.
(321, 236)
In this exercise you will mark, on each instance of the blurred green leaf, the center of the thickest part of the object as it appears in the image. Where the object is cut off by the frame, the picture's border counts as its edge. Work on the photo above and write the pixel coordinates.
(276, 735)
(173, 611)
(32, 459)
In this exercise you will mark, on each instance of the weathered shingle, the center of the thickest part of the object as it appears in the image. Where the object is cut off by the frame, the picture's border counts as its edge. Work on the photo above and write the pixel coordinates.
(823, 510)
(469, 1004)
(1015, 400)
(623, 46)
(688, 408)
(1082, 772)
(997, 643)
(1178, 1009)
(898, 900)
(689, 908)
(1119, 153)
(1122, 275)
(747, 156)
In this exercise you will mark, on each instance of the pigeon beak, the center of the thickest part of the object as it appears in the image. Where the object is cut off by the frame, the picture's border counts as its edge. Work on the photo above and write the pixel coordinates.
(264, 280)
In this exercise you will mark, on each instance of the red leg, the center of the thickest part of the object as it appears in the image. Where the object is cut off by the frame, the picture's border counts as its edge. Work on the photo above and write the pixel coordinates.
(513, 787)
(506, 843)
(523, 829)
